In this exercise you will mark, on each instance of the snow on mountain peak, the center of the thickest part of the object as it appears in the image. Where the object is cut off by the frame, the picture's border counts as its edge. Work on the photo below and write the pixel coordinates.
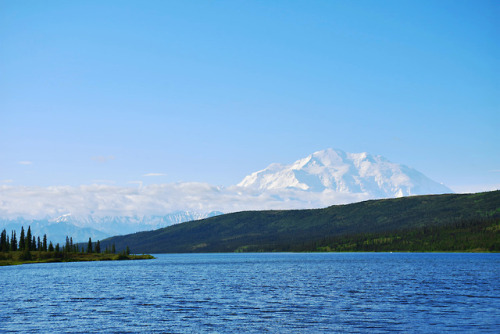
(338, 171)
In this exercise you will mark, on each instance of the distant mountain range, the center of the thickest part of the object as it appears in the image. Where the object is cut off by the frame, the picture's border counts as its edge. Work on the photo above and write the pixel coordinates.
(323, 178)
(113, 225)
(98, 228)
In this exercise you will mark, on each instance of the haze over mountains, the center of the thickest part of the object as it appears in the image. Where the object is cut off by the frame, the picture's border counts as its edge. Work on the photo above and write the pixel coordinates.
(322, 179)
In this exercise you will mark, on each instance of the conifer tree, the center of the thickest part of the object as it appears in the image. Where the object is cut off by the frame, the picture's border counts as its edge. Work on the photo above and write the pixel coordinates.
(21, 239)
(33, 243)
(28, 239)
(44, 245)
(3, 241)
(39, 244)
(89, 246)
(58, 249)
(13, 241)
(51, 247)
(98, 247)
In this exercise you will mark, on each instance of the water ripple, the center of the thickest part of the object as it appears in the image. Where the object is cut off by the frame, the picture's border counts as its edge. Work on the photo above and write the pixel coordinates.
(255, 293)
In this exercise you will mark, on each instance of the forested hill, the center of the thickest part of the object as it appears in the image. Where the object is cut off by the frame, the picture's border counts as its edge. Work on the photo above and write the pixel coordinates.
(311, 230)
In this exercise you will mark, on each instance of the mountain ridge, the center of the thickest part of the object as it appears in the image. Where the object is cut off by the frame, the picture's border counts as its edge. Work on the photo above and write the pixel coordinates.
(281, 230)
(344, 172)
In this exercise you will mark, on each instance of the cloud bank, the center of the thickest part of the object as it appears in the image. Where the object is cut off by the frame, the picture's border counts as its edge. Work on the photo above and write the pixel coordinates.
(159, 199)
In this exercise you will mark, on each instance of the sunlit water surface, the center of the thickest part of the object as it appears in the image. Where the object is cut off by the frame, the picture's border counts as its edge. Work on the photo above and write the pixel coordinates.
(277, 293)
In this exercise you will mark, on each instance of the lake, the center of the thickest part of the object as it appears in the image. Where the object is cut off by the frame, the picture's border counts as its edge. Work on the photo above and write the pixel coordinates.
(255, 293)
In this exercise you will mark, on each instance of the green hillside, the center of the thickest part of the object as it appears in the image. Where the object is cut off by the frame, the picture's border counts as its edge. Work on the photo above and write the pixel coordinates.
(322, 229)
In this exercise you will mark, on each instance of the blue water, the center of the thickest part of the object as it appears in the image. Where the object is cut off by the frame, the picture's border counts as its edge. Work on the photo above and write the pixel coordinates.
(277, 293)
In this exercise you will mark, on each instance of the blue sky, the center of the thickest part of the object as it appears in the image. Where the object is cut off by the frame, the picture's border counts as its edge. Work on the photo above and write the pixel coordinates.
(209, 91)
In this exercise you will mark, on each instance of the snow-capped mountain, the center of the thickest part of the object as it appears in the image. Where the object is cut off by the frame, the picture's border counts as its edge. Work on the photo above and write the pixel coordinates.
(341, 172)
(322, 179)
(116, 225)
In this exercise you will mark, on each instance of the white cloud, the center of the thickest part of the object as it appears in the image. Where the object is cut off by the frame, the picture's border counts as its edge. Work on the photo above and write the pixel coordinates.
(158, 199)
(102, 200)
(25, 163)
(154, 174)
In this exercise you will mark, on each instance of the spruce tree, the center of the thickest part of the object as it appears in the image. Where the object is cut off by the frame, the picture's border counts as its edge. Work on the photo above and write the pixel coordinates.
(44, 245)
(13, 241)
(98, 247)
(3, 241)
(8, 242)
(28, 239)
(51, 247)
(39, 244)
(21, 239)
(33, 243)
(89, 246)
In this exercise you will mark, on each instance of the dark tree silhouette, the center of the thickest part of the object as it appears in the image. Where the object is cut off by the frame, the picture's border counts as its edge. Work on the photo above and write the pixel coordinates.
(3, 242)
(21, 239)
(13, 242)
(28, 245)
(89, 246)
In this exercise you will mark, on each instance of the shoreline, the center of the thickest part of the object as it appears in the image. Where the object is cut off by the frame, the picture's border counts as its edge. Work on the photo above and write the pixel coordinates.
(15, 258)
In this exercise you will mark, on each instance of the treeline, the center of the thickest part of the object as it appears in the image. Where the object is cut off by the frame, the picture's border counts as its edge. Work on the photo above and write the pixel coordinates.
(28, 242)
(110, 249)
(462, 236)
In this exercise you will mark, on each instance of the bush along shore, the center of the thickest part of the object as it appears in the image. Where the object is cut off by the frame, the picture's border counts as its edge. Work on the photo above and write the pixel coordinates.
(33, 249)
